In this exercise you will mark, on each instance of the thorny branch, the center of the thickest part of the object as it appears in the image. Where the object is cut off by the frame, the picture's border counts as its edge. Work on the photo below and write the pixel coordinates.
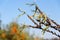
(57, 25)
(41, 28)
(44, 24)
(45, 30)
(49, 24)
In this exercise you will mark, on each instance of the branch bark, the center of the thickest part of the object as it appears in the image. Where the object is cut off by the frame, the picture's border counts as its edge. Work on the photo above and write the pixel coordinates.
(46, 30)
(57, 25)
(32, 20)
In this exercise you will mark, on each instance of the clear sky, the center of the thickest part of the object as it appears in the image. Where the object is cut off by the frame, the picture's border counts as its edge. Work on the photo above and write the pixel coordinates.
(9, 9)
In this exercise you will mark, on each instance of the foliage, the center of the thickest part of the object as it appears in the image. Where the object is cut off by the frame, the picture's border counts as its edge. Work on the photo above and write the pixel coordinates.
(15, 32)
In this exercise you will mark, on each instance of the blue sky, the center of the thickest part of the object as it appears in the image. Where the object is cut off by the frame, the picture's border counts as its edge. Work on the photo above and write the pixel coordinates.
(9, 10)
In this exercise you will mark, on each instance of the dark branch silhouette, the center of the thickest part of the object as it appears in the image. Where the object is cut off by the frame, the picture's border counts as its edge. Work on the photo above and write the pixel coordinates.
(55, 27)
(46, 24)
(39, 26)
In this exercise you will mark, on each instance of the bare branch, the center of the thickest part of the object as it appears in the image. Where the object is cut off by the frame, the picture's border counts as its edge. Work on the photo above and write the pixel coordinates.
(57, 25)
(32, 20)
(46, 30)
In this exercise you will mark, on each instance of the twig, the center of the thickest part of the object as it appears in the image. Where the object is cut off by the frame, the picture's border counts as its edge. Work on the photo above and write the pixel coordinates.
(52, 27)
(49, 24)
(54, 22)
(48, 18)
(32, 20)
(39, 25)
(46, 30)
